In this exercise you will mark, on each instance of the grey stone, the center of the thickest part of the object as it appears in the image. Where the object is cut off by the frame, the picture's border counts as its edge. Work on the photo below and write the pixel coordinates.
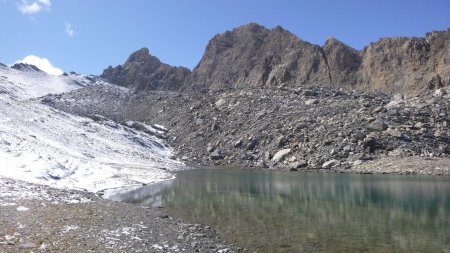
(299, 164)
(199, 122)
(281, 154)
(220, 102)
(216, 155)
(393, 132)
(330, 164)
(347, 148)
(312, 101)
(377, 125)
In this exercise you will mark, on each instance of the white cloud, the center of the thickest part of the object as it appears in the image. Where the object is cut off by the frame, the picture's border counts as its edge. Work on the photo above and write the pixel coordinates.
(45, 2)
(33, 7)
(69, 29)
(27, 8)
(42, 63)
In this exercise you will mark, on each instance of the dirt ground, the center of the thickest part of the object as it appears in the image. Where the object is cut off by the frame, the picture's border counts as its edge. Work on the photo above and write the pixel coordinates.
(37, 218)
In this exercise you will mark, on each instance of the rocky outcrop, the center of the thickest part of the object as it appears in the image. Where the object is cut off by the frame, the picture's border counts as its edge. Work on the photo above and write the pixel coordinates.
(254, 56)
(406, 65)
(343, 62)
(26, 67)
(143, 71)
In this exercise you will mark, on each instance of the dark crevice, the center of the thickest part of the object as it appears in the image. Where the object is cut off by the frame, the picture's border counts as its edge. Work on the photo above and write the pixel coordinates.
(328, 66)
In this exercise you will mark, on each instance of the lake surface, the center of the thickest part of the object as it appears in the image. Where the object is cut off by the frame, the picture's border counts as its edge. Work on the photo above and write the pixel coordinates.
(310, 212)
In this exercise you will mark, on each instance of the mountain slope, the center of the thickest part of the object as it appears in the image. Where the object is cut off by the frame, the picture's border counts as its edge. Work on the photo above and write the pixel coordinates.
(23, 81)
(42, 145)
(309, 125)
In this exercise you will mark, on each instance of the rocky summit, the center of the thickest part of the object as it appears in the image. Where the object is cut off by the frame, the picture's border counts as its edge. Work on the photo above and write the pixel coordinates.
(254, 56)
(143, 71)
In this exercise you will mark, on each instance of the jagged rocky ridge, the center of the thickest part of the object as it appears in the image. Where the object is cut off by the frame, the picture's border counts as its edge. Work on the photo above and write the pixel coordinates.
(254, 56)
(24, 67)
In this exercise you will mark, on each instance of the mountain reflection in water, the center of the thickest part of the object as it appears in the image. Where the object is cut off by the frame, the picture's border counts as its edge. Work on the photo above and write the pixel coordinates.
(310, 212)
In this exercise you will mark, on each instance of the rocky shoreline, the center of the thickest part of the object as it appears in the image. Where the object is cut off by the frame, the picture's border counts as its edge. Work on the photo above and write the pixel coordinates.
(38, 218)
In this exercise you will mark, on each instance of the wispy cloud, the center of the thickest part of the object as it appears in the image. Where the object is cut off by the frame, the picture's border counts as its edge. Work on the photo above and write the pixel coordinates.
(42, 63)
(45, 2)
(69, 29)
(33, 7)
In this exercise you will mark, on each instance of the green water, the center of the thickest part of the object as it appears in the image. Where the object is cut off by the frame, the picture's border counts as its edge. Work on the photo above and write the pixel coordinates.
(310, 212)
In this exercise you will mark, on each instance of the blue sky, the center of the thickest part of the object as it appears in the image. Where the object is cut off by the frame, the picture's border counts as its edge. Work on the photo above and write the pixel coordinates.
(88, 35)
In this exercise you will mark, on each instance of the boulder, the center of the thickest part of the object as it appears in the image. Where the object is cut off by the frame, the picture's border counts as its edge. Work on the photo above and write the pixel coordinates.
(299, 164)
(216, 155)
(220, 102)
(330, 164)
(377, 125)
(312, 101)
(280, 155)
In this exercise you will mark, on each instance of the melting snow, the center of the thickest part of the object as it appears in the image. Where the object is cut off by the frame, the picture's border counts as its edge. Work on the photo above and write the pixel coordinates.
(22, 209)
(42, 145)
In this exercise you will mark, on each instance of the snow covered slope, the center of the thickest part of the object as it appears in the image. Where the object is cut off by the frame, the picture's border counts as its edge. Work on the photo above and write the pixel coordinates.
(29, 83)
(42, 145)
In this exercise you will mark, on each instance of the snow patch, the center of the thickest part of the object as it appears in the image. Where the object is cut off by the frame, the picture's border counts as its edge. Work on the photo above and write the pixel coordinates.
(22, 209)
(66, 229)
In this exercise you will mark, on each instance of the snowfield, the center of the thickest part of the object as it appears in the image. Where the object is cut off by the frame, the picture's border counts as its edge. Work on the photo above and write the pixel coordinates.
(31, 84)
(42, 145)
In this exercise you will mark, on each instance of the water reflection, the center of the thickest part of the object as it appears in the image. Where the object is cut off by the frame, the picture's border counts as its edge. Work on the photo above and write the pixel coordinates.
(310, 212)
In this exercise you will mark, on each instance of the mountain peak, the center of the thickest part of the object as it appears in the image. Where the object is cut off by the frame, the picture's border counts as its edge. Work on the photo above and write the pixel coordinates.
(251, 27)
(333, 42)
(144, 71)
(142, 55)
(26, 67)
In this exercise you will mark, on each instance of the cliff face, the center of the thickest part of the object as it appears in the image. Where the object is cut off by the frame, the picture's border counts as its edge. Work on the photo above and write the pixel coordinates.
(408, 65)
(343, 62)
(143, 71)
(254, 56)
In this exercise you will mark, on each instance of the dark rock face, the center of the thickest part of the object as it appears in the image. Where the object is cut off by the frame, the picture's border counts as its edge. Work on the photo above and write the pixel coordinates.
(407, 65)
(343, 62)
(253, 56)
(26, 67)
(143, 71)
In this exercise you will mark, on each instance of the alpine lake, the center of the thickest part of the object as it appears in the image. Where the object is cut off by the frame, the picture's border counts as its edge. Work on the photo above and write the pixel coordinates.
(274, 211)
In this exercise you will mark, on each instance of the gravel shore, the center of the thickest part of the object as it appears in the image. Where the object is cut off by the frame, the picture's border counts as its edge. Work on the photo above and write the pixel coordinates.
(37, 218)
